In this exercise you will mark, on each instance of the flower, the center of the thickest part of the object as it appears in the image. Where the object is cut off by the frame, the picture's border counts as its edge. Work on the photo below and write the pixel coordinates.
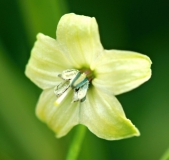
(80, 79)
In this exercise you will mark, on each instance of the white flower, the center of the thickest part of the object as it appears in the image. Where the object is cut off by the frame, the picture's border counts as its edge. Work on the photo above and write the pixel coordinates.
(66, 99)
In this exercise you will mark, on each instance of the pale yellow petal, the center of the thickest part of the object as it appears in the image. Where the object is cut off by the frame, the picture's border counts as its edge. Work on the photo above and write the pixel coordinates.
(59, 118)
(121, 71)
(46, 62)
(79, 37)
(104, 116)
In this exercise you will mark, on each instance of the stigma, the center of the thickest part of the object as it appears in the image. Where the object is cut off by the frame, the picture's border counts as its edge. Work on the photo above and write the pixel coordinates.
(75, 80)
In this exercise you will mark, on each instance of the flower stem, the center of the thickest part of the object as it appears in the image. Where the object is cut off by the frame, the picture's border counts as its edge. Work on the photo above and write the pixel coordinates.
(76, 143)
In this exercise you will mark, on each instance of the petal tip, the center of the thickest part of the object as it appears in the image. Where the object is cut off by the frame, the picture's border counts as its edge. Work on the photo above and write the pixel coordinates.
(40, 35)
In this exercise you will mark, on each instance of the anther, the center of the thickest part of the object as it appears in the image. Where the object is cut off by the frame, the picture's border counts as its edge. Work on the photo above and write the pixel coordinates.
(73, 79)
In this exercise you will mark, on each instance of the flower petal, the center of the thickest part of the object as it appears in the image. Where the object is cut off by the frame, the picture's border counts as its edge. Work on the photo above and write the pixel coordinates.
(59, 118)
(46, 62)
(79, 37)
(121, 71)
(104, 116)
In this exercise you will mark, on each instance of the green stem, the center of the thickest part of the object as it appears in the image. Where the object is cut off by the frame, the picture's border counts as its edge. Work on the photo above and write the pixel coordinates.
(76, 143)
(165, 155)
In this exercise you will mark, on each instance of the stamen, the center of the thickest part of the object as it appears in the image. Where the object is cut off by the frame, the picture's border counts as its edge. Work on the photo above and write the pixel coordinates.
(88, 73)
(79, 80)
(68, 74)
(76, 80)
(61, 88)
(78, 85)
(81, 94)
(62, 97)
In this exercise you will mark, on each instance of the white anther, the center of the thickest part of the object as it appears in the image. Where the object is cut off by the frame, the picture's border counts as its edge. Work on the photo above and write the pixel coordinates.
(69, 74)
(72, 79)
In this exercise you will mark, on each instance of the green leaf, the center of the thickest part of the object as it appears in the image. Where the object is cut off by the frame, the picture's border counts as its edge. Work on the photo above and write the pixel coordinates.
(165, 156)
(42, 16)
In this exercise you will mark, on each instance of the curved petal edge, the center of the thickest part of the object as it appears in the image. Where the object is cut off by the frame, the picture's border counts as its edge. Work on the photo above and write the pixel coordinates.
(121, 71)
(104, 116)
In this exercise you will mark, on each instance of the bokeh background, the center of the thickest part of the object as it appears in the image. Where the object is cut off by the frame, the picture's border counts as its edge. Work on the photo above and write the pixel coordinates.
(137, 25)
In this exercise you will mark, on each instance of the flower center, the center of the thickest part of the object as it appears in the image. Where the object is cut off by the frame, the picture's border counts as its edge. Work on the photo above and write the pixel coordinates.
(78, 80)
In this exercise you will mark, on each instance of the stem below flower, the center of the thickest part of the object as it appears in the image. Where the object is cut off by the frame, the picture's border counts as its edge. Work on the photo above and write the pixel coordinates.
(76, 143)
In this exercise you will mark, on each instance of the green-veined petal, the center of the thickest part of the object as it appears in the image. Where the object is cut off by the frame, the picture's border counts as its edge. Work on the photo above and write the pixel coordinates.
(121, 71)
(79, 37)
(59, 118)
(46, 62)
(104, 116)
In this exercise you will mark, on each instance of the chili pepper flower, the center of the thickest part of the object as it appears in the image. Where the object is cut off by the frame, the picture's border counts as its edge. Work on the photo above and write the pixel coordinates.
(80, 79)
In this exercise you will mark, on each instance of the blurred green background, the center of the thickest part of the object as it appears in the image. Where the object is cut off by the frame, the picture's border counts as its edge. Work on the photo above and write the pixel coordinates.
(137, 25)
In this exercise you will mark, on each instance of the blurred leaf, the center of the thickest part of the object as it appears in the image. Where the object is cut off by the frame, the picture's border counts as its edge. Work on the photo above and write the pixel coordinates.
(22, 130)
(165, 156)
(42, 16)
